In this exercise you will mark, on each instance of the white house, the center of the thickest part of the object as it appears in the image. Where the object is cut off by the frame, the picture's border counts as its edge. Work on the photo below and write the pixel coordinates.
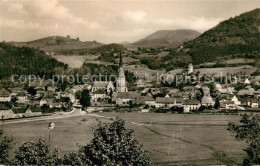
(207, 101)
(167, 102)
(247, 81)
(6, 113)
(99, 94)
(235, 99)
(140, 83)
(252, 103)
(43, 102)
(191, 104)
(22, 97)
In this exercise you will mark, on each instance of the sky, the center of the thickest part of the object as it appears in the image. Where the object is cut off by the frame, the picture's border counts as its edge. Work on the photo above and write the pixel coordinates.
(108, 21)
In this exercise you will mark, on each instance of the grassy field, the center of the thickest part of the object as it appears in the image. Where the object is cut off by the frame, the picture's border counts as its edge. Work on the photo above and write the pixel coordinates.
(247, 69)
(170, 139)
(73, 61)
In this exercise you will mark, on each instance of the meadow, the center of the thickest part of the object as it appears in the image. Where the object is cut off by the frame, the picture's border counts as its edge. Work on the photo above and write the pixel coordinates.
(170, 139)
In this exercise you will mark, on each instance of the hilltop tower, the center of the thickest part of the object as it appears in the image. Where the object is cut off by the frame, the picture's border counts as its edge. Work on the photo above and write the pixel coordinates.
(121, 82)
(190, 69)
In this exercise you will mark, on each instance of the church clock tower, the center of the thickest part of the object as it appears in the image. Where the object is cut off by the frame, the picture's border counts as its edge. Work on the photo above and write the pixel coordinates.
(121, 82)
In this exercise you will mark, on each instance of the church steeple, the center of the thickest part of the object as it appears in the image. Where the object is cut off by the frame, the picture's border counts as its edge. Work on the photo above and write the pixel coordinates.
(120, 60)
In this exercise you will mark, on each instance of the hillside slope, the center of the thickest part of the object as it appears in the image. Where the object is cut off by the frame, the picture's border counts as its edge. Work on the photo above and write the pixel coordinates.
(25, 61)
(167, 37)
(236, 36)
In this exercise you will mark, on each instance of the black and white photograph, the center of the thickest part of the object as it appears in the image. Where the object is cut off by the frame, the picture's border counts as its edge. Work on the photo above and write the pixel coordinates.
(130, 82)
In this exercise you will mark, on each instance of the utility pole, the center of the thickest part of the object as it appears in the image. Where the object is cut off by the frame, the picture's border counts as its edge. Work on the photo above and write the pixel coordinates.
(171, 148)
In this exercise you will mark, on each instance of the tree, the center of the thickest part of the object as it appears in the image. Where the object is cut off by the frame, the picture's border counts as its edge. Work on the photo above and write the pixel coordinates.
(248, 130)
(112, 144)
(217, 103)
(31, 91)
(85, 98)
(36, 153)
(6, 145)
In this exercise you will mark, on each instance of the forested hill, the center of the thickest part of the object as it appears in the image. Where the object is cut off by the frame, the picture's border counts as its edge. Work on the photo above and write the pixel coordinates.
(24, 60)
(236, 36)
(58, 44)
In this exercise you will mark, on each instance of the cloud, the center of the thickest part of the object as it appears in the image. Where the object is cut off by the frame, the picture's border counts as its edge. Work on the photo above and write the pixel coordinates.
(134, 15)
(48, 17)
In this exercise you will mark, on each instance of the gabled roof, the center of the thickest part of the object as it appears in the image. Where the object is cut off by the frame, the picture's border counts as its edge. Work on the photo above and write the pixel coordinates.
(4, 93)
(168, 100)
(253, 100)
(129, 95)
(100, 84)
(207, 100)
(248, 92)
(191, 102)
(230, 102)
(21, 93)
(99, 91)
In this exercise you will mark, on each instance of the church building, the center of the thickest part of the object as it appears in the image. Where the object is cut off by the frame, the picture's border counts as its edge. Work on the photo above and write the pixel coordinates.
(121, 81)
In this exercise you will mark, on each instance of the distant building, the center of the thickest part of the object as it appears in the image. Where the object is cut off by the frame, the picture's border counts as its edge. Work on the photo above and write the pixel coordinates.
(191, 104)
(140, 83)
(103, 85)
(207, 101)
(121, 81)
(190, 69)
(5, 96)
(252, 103)
(21, 96)
(6, 113)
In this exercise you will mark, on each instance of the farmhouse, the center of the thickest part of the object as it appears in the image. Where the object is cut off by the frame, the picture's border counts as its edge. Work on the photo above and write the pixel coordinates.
(230, 105)
(22, 97)
(6, 113)
(191, 104)
(99, 94)
(164, 102)
(252, 103)
(140, 83)
(246, 92)
(207, 101)
(123, 98)
(103, 85)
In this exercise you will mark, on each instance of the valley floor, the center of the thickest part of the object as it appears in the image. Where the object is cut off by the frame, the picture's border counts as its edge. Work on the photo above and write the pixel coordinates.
(170, 139)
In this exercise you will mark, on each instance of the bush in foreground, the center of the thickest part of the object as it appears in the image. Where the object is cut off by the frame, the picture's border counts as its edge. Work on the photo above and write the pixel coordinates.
(112, 144)
(249, 130)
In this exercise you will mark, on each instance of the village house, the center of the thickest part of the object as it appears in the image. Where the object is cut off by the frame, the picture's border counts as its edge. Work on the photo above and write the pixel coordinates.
(43, 102)
(6, 113)
(207, 101)
(108, 86)
(234, 98)
(252, 102)
(140, 83)
(191, 105)
(206, 90)
(249, 92)
(166, 102)
(145, 100)
(124, 98)
(16, 90)
(257, 94)
(21, 97)
(230, 105)
(99, 94)
(39, 92)
(5, 96)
